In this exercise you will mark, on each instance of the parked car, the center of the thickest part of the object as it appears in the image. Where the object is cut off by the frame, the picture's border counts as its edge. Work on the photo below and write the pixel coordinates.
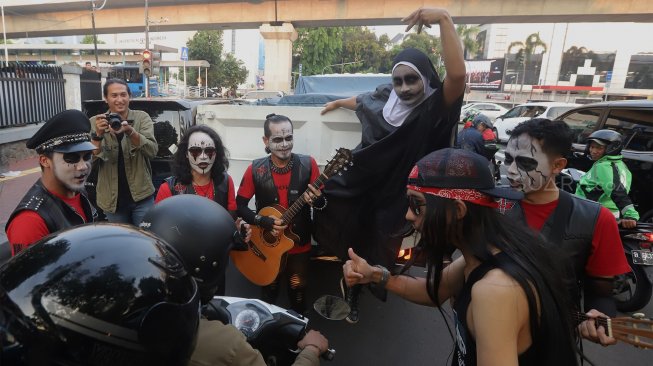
(523, 112)
(172, 117)
(491, 110)
(634, 120)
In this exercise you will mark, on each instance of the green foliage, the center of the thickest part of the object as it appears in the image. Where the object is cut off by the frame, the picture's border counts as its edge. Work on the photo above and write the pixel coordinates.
(224, 71)
(88, 39)
(525, 50)
(317, 48)
(232, 72)
(467, 34)
(355, 50)
(9, 41)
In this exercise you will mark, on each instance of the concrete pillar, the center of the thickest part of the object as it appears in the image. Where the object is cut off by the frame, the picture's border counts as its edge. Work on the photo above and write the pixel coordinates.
(278, 55)
(72, 88)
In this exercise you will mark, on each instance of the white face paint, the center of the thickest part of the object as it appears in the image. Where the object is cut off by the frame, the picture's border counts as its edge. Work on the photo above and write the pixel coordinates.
(201, 152)
(280, 141)
(529, 168)
(72, 175)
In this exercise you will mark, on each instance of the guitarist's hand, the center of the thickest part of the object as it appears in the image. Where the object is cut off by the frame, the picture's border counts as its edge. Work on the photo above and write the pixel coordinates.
(356, 270)
(590, 331)
(311, 194)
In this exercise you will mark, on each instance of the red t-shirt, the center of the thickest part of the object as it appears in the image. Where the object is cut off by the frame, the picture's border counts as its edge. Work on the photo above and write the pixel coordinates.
(281, 181)
(28, 227)
(164, 192)
(607, 257)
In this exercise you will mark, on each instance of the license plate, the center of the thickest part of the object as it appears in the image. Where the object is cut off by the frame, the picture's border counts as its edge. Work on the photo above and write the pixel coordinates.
(643, 257)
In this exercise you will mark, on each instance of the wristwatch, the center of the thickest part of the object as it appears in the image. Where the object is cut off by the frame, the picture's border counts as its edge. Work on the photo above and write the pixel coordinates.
(95, 137)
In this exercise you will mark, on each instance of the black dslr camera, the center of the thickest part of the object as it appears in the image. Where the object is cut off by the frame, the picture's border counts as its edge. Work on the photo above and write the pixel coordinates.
(115, 121)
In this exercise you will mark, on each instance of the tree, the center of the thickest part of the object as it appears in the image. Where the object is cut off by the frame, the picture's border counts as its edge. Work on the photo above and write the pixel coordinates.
(232, 73)
(89, 39)
(227, 71)
(366, 53)
(316, 49)
(426, 43)
(525, 50)
(467, 34)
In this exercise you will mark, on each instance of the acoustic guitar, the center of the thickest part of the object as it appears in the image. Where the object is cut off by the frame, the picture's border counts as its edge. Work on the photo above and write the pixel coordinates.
(266, 254)
(635, 330)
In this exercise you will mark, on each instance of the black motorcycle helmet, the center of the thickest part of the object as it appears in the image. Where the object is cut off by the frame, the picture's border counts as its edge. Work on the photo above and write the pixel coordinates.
(482, 119)
(97, 294)
(612, 140)
(201, 231)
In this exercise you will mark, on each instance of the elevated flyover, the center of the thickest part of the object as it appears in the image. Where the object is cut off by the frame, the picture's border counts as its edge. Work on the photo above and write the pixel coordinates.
(73, 17)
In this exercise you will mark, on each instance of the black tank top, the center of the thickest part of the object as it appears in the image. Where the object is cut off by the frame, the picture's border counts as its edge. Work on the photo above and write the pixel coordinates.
(465, 348)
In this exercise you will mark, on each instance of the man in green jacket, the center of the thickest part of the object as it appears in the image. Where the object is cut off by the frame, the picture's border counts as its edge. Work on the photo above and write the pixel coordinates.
(608, 181)
(125, 144)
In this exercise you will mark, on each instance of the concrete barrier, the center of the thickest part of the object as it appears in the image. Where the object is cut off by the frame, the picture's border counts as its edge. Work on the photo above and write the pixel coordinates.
(241, 130)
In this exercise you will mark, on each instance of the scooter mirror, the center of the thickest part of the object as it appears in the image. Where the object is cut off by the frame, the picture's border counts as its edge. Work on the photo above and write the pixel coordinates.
(332, 307)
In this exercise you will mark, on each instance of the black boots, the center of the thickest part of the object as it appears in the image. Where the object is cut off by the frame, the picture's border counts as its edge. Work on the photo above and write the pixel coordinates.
(351, 295)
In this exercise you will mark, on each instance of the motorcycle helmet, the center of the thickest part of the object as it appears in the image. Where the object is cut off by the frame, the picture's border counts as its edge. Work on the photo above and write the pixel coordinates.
(201, 231)
(612, 140)
(482, 119)
(97, 294)
(469, 115)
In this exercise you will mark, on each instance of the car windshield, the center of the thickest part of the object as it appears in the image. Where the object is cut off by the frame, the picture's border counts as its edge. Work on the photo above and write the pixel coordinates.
(515, 112)
(554, 112)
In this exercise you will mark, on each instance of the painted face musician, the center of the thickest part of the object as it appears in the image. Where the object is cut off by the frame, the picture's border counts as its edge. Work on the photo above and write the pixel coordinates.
(529, 168)
(280, 141)
(201, 152)
(72, 169)
(407, 83)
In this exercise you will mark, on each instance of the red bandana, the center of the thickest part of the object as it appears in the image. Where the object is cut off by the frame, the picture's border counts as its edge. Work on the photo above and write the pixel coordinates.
(469, 195)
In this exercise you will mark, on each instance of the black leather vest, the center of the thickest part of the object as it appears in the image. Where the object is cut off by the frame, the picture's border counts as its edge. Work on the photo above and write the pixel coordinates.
(56, 213)
(220, 192)
(267, 194)
(575, 240)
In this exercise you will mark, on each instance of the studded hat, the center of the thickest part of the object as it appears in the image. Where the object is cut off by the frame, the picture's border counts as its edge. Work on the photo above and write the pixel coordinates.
(68, 131)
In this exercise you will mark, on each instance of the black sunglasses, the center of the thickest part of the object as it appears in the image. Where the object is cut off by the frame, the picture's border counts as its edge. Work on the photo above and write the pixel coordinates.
(415, 205)
(196, 151)
(75, 157)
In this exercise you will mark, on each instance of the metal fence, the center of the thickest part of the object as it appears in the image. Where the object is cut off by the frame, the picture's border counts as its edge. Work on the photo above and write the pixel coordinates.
(30, 94)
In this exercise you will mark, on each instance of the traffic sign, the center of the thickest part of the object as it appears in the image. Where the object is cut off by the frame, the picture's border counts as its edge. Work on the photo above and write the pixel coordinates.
(184, 53)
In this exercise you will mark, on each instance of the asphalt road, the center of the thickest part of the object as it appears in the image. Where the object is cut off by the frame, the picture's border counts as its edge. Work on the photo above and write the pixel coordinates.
(401, 333)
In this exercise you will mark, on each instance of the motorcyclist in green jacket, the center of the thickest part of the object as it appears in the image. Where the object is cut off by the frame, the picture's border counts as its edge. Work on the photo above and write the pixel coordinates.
(608, 180)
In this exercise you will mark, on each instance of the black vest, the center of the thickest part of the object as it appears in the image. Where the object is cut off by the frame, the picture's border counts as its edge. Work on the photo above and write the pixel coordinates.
(574, 241)
(56, 213)
(267, 194)
(220, 191)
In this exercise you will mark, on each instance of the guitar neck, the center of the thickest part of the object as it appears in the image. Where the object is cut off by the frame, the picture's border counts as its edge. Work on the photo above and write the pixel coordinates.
(299, 203)
(635, 331)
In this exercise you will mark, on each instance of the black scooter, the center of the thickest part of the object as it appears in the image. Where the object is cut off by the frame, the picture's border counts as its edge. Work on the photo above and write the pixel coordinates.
(272, 330)
(633, 290)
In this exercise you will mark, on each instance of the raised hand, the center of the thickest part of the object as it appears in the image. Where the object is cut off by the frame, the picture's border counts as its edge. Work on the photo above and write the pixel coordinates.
(356, 270)
(424, 17)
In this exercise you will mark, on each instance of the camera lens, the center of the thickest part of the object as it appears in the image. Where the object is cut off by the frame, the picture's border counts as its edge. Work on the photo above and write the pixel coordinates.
(115, 122)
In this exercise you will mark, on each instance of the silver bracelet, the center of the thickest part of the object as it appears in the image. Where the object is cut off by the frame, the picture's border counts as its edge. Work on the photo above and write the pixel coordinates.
(385, 275)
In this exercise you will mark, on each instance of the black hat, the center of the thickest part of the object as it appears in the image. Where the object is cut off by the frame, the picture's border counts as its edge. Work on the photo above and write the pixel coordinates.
(458, 169)
(68, 131)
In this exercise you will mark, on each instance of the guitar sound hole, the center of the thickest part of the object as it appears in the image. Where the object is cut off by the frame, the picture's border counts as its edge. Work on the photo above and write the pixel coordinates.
(270, 240)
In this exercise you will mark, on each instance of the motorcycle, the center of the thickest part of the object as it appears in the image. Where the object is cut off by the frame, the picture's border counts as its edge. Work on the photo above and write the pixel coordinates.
(632, 290)
(272, 330)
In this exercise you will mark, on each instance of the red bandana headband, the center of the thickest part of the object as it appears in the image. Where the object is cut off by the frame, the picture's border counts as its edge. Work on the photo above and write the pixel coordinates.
(469, 195)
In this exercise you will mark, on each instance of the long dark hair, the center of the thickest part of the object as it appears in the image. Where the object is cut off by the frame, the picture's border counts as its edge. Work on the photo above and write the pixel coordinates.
(529, 262)
(181, 167)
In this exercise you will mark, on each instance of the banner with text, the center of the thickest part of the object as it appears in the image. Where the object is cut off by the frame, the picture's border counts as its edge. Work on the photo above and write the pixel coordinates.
(485, 74)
